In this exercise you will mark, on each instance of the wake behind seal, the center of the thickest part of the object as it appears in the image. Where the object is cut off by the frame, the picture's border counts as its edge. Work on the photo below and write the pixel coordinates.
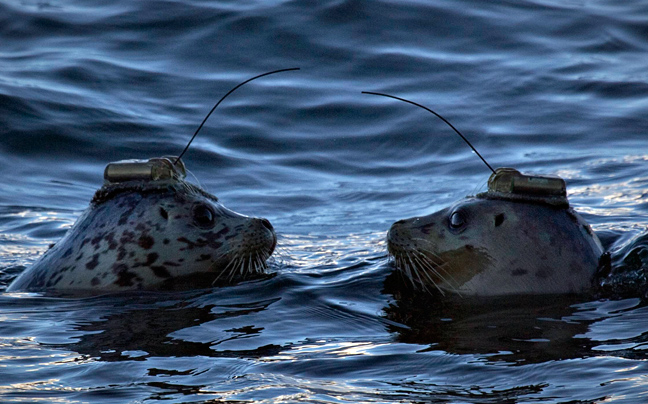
(147, 228)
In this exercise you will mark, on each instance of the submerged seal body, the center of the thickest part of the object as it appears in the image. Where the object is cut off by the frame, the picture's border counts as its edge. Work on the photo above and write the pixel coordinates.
(499, 243)
(152, 234)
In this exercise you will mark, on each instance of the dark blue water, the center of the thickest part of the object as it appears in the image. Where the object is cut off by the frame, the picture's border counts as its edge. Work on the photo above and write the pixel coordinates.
(553, 87)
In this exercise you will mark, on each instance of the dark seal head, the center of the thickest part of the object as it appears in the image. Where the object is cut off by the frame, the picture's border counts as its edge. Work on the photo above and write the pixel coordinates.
(148, 229)
(520, 237)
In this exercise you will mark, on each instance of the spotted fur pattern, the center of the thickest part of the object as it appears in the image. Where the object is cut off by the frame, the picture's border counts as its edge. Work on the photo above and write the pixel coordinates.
(137, 236)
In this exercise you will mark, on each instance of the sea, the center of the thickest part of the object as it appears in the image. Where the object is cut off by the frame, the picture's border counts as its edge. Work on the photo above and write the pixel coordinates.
(557, 87)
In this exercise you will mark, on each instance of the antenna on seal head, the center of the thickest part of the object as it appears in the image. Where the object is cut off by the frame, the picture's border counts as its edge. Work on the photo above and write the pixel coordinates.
(440, 117)
(508, 183)
(167, 168)
(221, 100)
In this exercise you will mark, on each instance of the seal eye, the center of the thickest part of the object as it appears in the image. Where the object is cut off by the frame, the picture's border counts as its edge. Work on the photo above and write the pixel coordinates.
(203, 216)
(457, 220)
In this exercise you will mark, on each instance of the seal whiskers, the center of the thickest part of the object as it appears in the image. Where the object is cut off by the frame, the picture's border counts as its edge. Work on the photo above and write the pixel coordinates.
(421, 267)
(242, 265)
(413, 268)
(432, 267)
(417, 262)
(430, 256)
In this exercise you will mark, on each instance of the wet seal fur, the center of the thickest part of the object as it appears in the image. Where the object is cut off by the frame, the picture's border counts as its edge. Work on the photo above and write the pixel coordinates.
(499, 242)
(161, 233)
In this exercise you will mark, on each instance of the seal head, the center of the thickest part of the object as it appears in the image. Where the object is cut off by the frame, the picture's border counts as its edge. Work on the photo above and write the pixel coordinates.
(517, 238)
(147, 228)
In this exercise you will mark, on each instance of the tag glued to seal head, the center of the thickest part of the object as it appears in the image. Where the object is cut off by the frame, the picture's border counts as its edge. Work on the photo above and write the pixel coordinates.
(509, 183)
(154, 169)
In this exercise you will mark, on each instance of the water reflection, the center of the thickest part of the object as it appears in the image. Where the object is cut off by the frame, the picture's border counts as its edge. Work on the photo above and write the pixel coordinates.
(135, 331)
(517, 330)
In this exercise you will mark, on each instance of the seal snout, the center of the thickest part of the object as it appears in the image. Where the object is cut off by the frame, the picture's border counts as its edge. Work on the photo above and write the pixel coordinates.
(266, 223)
(398, 234)
(270, 235)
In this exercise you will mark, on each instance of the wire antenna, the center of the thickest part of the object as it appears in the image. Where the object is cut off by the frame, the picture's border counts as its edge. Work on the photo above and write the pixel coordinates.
(440, 117)
(221, 100)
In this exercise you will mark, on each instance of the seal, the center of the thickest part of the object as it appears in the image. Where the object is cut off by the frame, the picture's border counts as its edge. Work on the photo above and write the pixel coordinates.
(520, 237)
(146, 229)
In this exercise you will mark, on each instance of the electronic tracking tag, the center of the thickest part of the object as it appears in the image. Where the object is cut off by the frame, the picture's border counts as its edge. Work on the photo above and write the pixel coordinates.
(509, 183)
(154, 169)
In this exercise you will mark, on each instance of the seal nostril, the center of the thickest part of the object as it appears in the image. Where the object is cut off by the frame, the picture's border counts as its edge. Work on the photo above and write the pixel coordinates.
(266, 223)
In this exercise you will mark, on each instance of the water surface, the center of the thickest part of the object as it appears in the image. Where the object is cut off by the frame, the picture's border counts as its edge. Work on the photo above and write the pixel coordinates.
(553, 87)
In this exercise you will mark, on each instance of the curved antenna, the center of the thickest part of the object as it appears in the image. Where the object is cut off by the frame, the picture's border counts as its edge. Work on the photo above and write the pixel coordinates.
(221, 100)
(440, 117)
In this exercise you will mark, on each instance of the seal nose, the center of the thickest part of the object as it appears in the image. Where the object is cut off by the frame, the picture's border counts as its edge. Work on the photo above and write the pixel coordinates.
(392, 232)
(397, 231)
(266, 223)
(272, 236)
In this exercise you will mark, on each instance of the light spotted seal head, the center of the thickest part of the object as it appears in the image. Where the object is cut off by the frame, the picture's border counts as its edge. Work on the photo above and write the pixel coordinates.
(147, 228)
(520, 237)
